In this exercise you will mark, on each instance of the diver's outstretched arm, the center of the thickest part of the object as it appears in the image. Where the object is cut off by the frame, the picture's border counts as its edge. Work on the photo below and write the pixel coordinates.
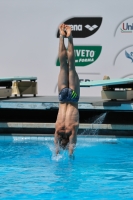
(56, 141)
(72, 143)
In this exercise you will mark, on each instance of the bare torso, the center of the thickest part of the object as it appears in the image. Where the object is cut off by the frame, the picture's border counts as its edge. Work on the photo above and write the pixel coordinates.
(67, 122)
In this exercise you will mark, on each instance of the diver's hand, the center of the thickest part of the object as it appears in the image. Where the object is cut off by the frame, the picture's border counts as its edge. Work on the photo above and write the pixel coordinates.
(72, 157)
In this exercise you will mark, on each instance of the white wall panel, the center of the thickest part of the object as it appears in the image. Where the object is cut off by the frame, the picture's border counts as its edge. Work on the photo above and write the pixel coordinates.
(28, 43)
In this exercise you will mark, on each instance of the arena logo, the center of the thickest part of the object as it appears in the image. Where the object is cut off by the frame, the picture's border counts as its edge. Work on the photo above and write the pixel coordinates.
(85, 55)
(126, 26)
(83, 27)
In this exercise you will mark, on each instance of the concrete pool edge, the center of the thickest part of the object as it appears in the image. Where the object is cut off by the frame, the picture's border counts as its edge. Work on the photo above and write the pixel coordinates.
(52, 102)
(19, 125)
(9, 128)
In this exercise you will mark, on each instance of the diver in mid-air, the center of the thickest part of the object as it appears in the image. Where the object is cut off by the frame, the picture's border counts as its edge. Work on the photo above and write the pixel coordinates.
(67, 122)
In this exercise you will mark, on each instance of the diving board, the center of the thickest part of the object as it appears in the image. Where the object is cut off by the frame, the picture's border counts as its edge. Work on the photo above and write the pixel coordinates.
(113, 88)
(17, 78)
(18, 85)
(106, 82)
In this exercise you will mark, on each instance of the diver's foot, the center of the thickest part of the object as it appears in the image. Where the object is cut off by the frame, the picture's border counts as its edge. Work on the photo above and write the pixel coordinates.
(68, 31)
(62, 30)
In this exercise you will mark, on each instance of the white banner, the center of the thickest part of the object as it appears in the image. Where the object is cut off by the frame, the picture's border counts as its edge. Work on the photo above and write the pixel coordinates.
(102, 31)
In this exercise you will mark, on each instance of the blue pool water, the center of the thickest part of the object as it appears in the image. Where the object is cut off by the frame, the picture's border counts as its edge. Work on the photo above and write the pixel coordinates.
(102, 169)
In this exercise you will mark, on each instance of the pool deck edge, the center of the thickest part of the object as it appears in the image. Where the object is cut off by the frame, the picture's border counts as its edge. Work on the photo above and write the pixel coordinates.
(52, 102)
(9, 125)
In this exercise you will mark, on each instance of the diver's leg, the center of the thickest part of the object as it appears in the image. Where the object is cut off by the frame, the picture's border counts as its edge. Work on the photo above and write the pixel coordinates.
(63, 75)
(73, 76)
